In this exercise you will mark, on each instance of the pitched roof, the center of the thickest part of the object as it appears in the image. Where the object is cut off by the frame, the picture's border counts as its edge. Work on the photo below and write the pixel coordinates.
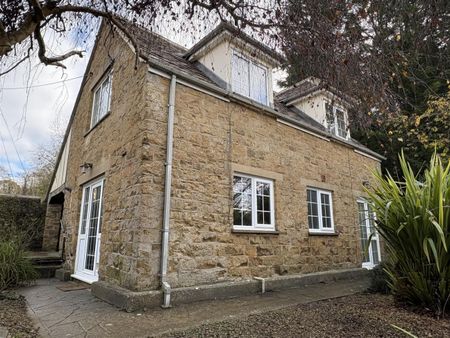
(155, 47)
(308, 86)
(227, 27)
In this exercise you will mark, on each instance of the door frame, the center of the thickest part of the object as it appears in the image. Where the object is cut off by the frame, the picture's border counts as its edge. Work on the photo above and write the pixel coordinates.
(370, 264)
(83, 274)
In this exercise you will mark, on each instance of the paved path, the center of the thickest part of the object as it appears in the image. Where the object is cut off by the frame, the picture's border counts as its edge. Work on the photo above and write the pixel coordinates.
(79, 314)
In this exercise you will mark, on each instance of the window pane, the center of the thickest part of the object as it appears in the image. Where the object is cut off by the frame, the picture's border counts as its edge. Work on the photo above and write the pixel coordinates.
(313, 219)
(258, 84)
(85, 210)
(266, 203)
(247, 218)
(242, 201)
(374, 248)
(363, 228)
(267, 217)
(237, 217)
(263, 202)
(95, 111)
(240, 76)
(260, 217)
(341, 127)
(329, 116)
(102, 98)
(326, 210)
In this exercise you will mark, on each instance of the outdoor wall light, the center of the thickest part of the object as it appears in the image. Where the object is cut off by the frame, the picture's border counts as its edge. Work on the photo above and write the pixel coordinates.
(85, 167)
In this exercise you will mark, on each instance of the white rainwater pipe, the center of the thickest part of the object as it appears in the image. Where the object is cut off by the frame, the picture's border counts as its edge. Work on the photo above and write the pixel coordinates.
(167, 192)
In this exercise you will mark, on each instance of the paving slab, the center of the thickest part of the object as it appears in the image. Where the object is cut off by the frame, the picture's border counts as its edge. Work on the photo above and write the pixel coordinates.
(79, 314)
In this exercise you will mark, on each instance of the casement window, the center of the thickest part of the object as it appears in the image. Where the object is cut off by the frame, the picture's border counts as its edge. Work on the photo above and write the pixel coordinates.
(102, 99)
(366, 218)
(320, 210)
(249, 79)
(253, 203)
(337, 120)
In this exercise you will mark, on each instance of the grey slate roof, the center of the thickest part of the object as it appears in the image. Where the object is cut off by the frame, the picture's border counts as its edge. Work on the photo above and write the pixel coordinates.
(155, 47)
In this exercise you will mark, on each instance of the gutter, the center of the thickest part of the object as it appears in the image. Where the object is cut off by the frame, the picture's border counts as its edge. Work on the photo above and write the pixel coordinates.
(165, 286)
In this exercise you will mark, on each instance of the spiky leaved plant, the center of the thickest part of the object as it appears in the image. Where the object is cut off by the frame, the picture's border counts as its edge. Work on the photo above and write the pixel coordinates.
(413, 218)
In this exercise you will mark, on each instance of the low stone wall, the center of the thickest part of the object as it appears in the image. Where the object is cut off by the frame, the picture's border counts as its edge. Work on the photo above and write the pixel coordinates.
(23, 213)
(131, 300)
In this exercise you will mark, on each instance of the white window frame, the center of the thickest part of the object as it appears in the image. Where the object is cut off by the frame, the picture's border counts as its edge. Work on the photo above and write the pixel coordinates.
(370, 264)
(333, 127)
(255, 226)
(95, 90)
(321, 229)
(250, 63)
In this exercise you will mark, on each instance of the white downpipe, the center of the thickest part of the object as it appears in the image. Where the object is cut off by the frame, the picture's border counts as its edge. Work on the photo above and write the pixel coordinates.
(167, 192)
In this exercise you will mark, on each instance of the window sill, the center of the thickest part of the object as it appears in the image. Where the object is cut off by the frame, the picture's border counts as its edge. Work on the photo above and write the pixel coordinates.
(98, 122)
(322, 233)
(255, 232)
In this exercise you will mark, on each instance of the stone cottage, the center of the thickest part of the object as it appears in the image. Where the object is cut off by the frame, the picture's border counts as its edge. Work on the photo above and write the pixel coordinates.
(186, 171)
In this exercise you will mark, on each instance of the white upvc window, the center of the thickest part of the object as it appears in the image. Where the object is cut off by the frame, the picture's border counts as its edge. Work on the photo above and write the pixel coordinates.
(320, 211)
(102, 99)
(371, 254)
(336, 120)
(249, 78)
(253, 203)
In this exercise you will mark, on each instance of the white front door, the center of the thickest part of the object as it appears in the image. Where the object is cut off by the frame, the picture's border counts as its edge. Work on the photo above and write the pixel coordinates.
(89, 234)
(366, 218)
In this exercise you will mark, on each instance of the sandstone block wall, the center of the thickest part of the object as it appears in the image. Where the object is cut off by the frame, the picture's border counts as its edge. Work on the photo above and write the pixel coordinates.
(212, 138)
(53, 216)
(116, 148)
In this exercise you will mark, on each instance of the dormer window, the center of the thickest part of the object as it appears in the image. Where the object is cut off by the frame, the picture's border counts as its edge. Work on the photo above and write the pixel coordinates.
(249, 78)
(337, 120)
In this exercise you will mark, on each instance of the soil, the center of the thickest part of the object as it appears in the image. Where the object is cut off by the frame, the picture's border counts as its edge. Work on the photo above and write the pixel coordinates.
(13, 316)
(362, 315)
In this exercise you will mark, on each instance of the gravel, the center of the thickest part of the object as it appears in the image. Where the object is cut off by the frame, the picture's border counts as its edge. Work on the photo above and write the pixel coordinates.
(13, 316)
(362, 315)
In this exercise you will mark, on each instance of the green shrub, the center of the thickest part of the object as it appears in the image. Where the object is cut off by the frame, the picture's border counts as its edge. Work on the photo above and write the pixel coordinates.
(413, 218)
(15, 269)
(378, 280)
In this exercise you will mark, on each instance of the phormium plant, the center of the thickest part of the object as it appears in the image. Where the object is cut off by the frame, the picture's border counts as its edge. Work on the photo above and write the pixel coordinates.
(413, 218)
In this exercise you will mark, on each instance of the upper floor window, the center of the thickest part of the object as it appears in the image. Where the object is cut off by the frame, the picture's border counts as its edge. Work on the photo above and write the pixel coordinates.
(253, 203)
(337, 120)
(249, 78)
(320, 210)
(102, 99)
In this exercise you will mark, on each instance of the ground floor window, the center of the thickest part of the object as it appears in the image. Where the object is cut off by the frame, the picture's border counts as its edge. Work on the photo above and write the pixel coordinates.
(320, 210)
(253, 203)
(370, 252)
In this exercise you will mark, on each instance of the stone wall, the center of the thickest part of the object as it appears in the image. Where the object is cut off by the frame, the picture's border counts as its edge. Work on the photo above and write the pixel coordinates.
(53, 216)
(114, 147)
(212, 139)
(24, 214)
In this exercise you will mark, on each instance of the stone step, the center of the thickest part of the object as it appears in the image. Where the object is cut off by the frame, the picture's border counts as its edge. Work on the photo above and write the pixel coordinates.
(46, 263)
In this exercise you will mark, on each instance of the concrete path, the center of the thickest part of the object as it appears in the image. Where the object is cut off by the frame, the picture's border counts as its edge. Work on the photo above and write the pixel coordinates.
(79, 314)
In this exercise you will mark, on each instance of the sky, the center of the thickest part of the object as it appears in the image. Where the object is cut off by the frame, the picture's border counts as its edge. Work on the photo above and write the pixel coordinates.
(36, 102)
